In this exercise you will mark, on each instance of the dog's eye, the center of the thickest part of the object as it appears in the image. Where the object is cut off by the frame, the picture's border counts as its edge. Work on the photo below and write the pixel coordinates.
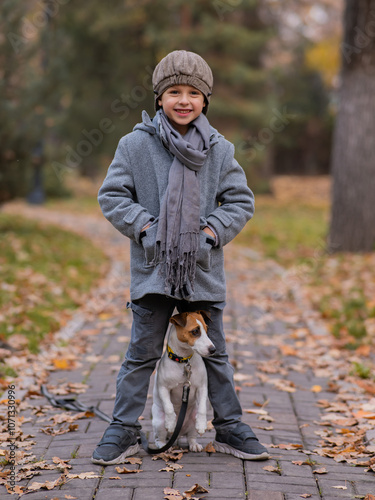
(196, 332)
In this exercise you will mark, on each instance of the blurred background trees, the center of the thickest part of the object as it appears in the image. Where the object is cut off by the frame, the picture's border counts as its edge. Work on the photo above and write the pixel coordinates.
(75, 78)
(353, 159)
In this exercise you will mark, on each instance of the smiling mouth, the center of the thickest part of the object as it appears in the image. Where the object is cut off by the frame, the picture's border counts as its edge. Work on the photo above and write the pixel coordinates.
(183, 111)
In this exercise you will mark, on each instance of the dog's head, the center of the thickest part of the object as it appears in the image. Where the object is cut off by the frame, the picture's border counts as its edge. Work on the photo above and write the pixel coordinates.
(191, 329)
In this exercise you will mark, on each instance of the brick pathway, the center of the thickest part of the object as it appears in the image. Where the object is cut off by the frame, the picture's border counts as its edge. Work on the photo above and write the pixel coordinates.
(259, 312)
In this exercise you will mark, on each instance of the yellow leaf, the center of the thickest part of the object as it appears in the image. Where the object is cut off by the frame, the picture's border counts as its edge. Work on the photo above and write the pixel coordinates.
(105, 316)
(316, 388)
(287, 350)
(61, 364)
(364, 414)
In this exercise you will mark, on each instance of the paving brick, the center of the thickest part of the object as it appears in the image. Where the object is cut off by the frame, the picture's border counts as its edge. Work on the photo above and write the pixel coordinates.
(64, 452)
(230, 480)
(282, 488)
(122, 493)
(147, 494)
(182, 482)
(275, 479)
(293, 496)
(142, 479)
(271, 495)
(326, 486)
(365, 486)
(81, 494)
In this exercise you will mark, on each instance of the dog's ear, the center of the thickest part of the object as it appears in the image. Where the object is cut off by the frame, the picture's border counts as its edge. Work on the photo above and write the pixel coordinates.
(206, 315)
(179, 319)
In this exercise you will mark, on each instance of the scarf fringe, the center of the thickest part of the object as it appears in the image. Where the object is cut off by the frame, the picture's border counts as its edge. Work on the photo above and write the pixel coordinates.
(178, 264)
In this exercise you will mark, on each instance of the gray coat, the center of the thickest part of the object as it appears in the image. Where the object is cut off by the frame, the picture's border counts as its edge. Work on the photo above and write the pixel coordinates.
(131, 196)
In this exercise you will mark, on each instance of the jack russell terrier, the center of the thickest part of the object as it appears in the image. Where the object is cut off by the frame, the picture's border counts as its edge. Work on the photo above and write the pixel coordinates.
(187, 343)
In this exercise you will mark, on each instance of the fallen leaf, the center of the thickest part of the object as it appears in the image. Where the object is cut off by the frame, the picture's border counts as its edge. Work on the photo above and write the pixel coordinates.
(366, 385)
(16, 490)
(210, 448)
(306, 495)
(115, 477)
(69, 497)
(288, 350)
(82, 475)
(49, 485)
(256, 411)
(322, 470)
(57, 432)
(124, 470)
(316, 388)
(271, 468)
(172, 494)
(364, 414)
(197, 488)
(62, 463)
(63, 364)
(267, 418)
(290, 446)
(171, 467)
(133, 460)
(340, 487)
(61, 418)
(369, 497)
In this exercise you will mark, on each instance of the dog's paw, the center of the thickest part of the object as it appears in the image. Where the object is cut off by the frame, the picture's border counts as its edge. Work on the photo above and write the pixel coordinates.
(159, 443)
(170, 422)
(195, 446)
(201, 425)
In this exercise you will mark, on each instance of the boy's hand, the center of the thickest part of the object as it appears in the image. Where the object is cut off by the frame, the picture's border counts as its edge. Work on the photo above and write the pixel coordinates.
(209, 231)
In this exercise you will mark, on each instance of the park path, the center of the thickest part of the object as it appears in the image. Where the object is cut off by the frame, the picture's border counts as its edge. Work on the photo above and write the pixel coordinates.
(269, 328)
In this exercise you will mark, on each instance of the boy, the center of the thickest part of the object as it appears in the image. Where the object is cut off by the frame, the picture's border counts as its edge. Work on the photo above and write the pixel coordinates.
(176, 191)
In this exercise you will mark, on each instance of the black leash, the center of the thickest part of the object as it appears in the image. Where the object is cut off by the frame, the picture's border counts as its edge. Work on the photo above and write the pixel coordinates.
(72, 404)
(180, 420)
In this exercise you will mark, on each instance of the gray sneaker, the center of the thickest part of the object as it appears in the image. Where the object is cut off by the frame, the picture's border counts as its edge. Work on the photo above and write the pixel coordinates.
(240, 442)
(116, 444)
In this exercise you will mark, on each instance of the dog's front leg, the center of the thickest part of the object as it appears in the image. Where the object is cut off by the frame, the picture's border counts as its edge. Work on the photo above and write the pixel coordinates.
(201, 416)
(170, 415)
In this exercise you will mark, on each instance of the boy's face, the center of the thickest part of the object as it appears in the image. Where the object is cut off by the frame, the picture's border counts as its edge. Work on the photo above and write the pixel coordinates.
(182, 104)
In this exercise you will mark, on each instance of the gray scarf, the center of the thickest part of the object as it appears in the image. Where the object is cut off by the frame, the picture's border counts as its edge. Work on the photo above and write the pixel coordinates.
(177, 238)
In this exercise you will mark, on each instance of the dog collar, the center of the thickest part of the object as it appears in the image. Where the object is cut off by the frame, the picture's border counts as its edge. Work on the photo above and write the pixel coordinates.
(174, 357)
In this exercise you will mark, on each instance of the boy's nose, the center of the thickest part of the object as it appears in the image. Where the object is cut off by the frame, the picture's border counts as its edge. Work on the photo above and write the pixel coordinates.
(184, 99)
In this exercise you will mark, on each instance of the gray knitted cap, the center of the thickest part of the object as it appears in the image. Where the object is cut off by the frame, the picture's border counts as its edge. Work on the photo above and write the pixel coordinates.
(181, 67)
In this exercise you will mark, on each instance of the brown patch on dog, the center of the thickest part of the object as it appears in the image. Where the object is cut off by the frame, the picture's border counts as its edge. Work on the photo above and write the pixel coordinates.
(186, 324)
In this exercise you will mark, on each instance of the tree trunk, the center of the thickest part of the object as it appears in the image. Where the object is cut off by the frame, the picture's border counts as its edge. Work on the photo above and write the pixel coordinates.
(353, 156)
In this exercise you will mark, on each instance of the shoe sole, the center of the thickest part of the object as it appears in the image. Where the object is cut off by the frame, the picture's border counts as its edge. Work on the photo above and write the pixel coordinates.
(132, 450)
(225, 448)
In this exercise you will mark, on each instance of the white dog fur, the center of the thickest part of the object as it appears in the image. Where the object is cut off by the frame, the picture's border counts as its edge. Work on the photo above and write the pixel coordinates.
(187, 336)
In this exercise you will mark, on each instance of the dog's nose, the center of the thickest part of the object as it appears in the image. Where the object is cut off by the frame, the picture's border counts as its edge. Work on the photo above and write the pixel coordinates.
(212, 350)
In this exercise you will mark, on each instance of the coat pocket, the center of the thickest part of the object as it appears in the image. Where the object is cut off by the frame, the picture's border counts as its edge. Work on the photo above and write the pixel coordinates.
(205, 248)
(148, 243)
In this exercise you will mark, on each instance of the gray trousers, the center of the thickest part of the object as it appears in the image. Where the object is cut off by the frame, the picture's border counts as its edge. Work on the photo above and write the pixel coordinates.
(151, 316)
